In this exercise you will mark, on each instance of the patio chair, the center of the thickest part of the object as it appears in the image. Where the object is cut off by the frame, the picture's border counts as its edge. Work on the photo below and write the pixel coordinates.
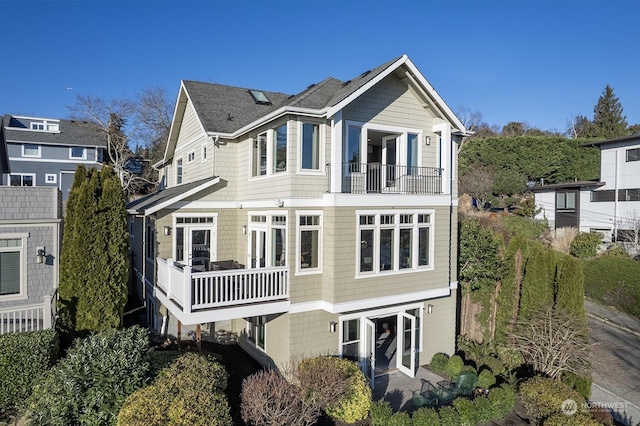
(464, 384)
(424, 397)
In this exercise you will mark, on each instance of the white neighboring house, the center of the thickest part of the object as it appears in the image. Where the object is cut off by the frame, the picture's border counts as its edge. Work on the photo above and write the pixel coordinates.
(610, 206)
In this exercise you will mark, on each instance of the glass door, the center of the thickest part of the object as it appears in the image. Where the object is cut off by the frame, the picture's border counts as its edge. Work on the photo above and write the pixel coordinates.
(258, 248)
(389, 161)
(407, 343)
(369, 358)
(199, 247)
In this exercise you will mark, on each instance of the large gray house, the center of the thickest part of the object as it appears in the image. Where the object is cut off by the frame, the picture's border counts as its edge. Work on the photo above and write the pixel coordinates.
(46, 152)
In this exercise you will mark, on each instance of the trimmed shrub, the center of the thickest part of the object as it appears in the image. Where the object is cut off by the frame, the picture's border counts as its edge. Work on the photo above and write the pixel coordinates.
(323, 380)
(502, 401)
(381, 412)
(355, 406)
(486, 379)
(190, 391)
(401, 418)
(613, 281)
(425, 417)
(585, 244)
(473, 412)
(159, 360)
(579, 383)
(439, 362)
(578, 419)
(616, 250)
(454, 366)
(493, 364)
(90, 384)
(449, 416)
(543, 396)
(24, 360)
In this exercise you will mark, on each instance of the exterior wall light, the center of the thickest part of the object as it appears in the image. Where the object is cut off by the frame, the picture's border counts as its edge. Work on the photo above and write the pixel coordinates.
(333, 326)
(429, 309)
(40, 254)
(167, 230)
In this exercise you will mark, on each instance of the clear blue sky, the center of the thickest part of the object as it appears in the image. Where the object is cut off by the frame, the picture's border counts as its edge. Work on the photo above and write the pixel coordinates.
(539, 62)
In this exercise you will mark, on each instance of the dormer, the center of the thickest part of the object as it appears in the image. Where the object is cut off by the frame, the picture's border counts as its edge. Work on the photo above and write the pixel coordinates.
(35, 124)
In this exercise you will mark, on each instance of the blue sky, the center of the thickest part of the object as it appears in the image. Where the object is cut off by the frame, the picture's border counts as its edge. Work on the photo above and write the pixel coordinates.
(534, 61)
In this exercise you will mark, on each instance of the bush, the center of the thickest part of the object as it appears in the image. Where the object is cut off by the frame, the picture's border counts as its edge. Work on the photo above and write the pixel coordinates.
(579, 383)
(473, 412)
(381, 412)
(439, 362)
(449, 416)
(585, 244)
(578, 419)
(355, 406)
(426, 417)
(486, 379)
(542, 397)
(493, 363)
(190, 391)
(24, 360)
(323, 380)
(616, 250)
(613, 281)
(159, 360)
(454, 366)
(502, 401)
(90, 384)
(400, 418)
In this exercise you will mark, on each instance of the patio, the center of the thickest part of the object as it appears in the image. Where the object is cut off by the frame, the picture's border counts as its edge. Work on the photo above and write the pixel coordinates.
(396, 387)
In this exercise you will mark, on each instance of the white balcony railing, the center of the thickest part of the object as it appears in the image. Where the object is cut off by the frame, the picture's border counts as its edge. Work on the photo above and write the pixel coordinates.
(376, 178)
(197, 291)
(28, 318)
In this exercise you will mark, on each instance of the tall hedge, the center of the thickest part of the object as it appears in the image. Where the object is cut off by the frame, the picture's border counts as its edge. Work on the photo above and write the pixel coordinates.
(24, 360)
(93, 263)
(570, 287)
(538, 282)
(613, 281)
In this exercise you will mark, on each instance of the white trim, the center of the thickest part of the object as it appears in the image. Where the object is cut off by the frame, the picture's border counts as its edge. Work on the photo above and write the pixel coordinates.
(321, 170)
(384, 301)
(38, 155)
(320, 248)
(271, 155)
(175, 175)
(84, 153)
(48, 160)
(212, 226)
(23, 236)
(53, 176)
(22, 175)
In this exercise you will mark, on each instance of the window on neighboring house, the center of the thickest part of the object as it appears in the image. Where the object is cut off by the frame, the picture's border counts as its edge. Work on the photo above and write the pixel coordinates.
(78, 153)
(191, 157)
(633, 154)
(310, 146)
(394, 241)
(178, 171)
(12, 266)
(565, 201)
(100, 155)
(132, 222)
(22, 179)
(603, 196)
(309, 241)
(630, 194)
(50, 178)
(269, 152)
(203, 153)
(30, 150)
(256, 332)
(37, 126)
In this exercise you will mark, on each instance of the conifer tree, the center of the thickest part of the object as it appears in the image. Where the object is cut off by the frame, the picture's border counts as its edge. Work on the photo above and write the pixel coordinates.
(608, 120)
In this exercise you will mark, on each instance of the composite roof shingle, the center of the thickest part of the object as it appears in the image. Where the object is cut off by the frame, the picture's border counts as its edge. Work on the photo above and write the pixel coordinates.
(71, 132)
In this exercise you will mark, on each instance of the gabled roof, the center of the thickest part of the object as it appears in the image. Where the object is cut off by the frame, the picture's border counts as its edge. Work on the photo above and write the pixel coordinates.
(162, 198)
(228, 111)
(71, 132)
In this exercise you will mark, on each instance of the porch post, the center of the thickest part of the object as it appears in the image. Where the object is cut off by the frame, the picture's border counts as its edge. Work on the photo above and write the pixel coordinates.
(199, 338)
(167, 277)
(179, 334)
(186, 291)
(46, 312)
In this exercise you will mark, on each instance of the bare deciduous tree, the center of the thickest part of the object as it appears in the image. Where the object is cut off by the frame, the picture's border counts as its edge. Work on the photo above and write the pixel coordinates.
(553, 342)
(477, 181)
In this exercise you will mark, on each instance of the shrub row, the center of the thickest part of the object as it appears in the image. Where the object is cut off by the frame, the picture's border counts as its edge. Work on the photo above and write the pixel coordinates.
(24, 360)
(542, 398)
(613, 281)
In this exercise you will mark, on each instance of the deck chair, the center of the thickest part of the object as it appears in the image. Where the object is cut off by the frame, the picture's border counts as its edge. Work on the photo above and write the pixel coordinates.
(425, 397)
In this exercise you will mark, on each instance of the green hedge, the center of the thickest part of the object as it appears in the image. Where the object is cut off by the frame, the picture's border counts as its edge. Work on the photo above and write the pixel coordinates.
(585, 244)
(89, 385)
(24, 360)
(542, 397)
(613, 281)
(438, 362)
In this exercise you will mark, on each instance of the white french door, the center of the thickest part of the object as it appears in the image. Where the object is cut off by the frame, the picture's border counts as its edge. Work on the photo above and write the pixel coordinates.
(407, 344)
(258, 248)
(369, 358)
(389, 160)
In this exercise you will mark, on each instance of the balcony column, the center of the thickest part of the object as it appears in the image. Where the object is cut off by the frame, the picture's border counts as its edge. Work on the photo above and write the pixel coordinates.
(47, 313)
(167, 277)
(336, 154)
(444, 129)
(186, 287)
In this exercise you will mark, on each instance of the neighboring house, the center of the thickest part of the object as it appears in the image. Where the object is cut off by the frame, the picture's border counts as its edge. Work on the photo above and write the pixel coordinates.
(46, 152)
(30, 235)
(610, 206)
(322, 222)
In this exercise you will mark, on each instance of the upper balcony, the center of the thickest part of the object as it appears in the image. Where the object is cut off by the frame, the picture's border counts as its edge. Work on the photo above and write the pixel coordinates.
(377, 178)
(196, 297)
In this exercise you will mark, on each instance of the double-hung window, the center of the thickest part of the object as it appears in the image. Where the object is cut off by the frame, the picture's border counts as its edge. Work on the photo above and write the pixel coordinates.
(179, 171)
(269, 152)
(30, 150)
(633, 154)
(12, 266)
(394, 241)
(309, 253)
(77, 153)
(310, 147)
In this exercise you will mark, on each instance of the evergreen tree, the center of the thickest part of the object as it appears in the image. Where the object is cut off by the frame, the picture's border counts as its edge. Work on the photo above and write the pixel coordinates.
(608, 120)
(570, 287)
(94, 264)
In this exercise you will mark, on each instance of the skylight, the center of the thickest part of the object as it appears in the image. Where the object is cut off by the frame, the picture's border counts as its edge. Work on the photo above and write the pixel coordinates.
(260, 97)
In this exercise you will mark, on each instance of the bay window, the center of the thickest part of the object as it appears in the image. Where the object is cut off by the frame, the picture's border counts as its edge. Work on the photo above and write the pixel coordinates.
(269, 152)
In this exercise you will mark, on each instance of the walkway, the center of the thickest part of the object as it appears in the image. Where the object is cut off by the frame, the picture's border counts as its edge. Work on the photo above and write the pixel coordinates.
(396, 387)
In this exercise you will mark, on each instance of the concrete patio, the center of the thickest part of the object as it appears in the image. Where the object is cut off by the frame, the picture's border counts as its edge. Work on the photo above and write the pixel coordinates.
(395, 387)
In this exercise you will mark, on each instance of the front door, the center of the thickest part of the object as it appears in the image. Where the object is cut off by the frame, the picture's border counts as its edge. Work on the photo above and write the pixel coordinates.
(370, 351)
(407, 344)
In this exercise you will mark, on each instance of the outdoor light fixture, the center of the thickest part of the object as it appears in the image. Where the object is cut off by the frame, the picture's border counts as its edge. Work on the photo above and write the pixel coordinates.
(40, 254)
(167, 230)
(244, 229)
(427, 140)
(429, 309)
(333, 326)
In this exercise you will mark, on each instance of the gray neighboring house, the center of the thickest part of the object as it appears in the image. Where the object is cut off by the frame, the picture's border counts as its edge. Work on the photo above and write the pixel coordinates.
(30, 236)
(46, 152)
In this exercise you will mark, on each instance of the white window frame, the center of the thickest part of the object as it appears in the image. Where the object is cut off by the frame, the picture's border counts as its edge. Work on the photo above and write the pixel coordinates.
(22, 175)
(299, 229)
(267, 227)
(271, 155)
(260, 322)
(321, 148)
(396, 226)
(50, 178)
(203, 153)
(23, 264)
(37, 125)
(84, 153)
(38, 155)
(212, 225)
(181, 168)
(191, 157)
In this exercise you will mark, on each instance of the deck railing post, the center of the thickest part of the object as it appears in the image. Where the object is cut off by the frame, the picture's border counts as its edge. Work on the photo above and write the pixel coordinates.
(186, 290)
(46, 312)
(168, 276)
